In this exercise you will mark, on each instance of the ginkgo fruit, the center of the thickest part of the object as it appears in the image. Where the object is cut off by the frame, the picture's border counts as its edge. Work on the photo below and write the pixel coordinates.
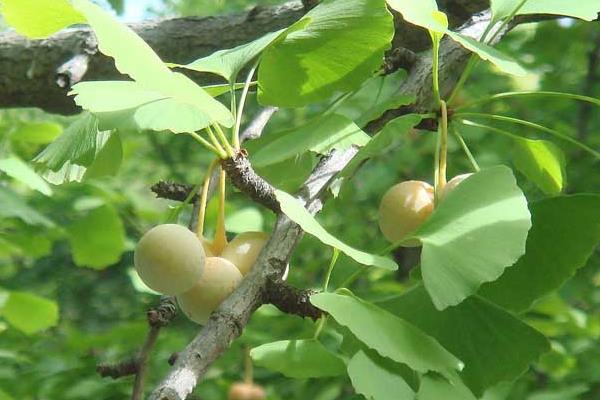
(170, 259)
(246, 391)
(244, 249)
(453, 183)
(207, 246)
(219, 279)
(403, 208)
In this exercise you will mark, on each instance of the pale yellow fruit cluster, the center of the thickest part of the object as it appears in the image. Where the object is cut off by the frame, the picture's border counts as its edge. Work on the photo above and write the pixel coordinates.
(246, 391)
(406, 205)
(173, 261)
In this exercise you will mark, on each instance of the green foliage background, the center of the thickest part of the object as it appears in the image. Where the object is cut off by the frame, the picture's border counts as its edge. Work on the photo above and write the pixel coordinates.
(102, 309)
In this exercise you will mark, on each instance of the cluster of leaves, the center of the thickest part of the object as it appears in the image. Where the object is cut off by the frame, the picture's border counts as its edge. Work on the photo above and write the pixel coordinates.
(462, 330)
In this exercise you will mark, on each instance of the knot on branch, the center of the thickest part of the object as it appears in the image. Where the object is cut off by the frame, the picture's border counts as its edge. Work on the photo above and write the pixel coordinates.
(291, 300)
(243, 176)
(172, 191)
(162, 314)
(118, 370)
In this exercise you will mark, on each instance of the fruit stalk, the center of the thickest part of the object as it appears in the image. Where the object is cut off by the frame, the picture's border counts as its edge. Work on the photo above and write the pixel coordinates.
(220, 235)
(204, 200)
(442, 149)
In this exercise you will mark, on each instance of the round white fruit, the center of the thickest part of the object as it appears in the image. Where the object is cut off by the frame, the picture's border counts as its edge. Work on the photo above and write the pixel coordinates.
(219, 279)
(169, 259)
(244, 249)
(403, 208)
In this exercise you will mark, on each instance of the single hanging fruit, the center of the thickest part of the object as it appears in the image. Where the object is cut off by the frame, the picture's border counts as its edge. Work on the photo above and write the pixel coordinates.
(246, 391)
(219, 279)
(244, 249)
(403, 208)
(169, 259)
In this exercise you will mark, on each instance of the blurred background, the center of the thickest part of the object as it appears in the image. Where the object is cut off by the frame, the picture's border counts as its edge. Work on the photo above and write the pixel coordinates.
(101, 311)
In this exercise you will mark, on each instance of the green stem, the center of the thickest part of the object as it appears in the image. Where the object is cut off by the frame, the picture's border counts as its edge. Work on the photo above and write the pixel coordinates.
(435, 67)
(466, 149)
(507, 95)
(334, 258)
(221, 135)
(240, 110)
(466, 122)
(217, 150)
(221, 151)
(442, 157)
(175, 211)
(320, 326)
(533, 125)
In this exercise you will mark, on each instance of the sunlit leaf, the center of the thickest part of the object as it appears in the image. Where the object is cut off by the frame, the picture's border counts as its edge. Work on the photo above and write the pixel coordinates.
(387, 334)
(583, 9)
(108, 159)
(494, 345)
(340, 46)
(39, 18)
(19, 170)
(37, 132)
(542, 162)
(29, 313)
(320, 135)
(291, 207)
(565, 232)
(97, 239)
(478, 230)
(298, 359)
(375, 379)
(424, 13)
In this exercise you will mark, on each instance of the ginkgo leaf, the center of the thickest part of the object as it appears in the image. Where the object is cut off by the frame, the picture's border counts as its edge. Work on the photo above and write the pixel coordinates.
(334, 47)
(39, 18)
(291, 207)
(502, 61)
(29, 313)
(477, 231)
(135, 58)
(298, 359)
(320, 135)
(584, 9)
(424, 13)
(13, 206)
(542, 162)
(19, 170)
(390, 336)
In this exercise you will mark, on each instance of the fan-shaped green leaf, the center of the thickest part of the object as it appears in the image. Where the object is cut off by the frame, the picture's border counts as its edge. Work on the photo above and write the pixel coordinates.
(340, 46)
(297, 213)
(97, 239)
(19, 170)
(29, 313)
(376, 379)
(298, 359)
(387, 334)
(437, 388)
(584, 9)
(542, 162)
(424, 13)
(478, 230)
(37, 132)
(565, 232)
(39, 18)
(320, 135)
(494, 345)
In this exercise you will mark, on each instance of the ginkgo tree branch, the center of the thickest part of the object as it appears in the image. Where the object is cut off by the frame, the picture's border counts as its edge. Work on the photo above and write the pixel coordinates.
(39, 73)
(229, 320)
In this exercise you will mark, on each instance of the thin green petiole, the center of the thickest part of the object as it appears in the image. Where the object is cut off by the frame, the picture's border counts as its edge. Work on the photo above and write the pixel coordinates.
(507, 95)
(435, 70)
(533, 125)
(221, 151)
(221, 135)
(207, 144)
(466, 149)
(466, 122)
(240, 110)
(334, 258)
(320, 326)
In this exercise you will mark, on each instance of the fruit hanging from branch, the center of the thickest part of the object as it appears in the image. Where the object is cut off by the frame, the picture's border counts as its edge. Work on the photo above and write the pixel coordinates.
(244, 249)
(169, 259)
(403, 208)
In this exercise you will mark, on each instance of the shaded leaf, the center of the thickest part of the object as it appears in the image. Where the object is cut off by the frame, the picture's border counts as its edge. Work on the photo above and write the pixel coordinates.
(37, 132)
(298, 359)
(98, 239)
(436, 388)
(320, 135)
(375, 379)
(542, 162)
(108, 160)
(291, 207)
(14, 207)
(341, 44)
(39, 18)
(565, 232)
(19, 170)
(478, 230)
(29, 313)
(494, 345)
(387, 334)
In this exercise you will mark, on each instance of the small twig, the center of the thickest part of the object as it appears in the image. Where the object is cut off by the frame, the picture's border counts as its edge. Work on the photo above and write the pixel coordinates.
(118, 370)
(243, 176)
(291, 300)
(173, 191)
(255, 129)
